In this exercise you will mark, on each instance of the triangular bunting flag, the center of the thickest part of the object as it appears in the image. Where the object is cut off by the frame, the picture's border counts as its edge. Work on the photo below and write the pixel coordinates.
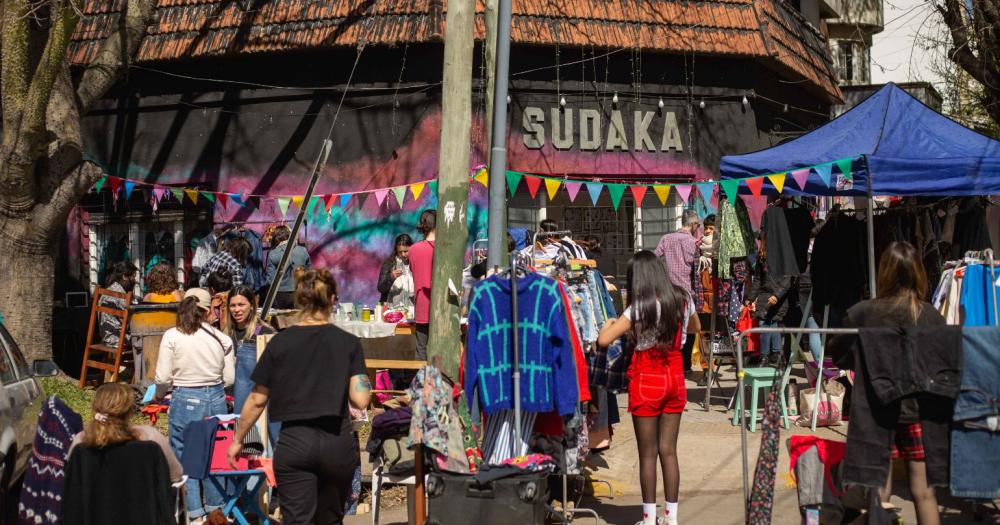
(684, 190)
(252, 201)
(283, 205)
(662, 192)
(380, 196)
(513, 179)
(638, 192)
(345, 200)
(298, 200)
(482, 177)
(824, 171)
(193, 195)
(100, 184)
(615, 191)
(237, 198)
(800, 177)
(116, 186)
(731, 187)
(209, 196)
(533, 184)
(223, 199)
(400, 193)
(755, 184)
(432, 188)
(845, 168)
(328, 201)
(178, 194)
(706, 189)
(594, 189)
(551, 187)
(129, 186)
(573, 188)
(311, 208)
(417, 189)
(361, 198)
(778, 181)
(145, 194)
(158, 194)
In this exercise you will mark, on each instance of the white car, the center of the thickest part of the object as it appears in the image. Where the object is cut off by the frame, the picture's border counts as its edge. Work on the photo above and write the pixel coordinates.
(20, 403)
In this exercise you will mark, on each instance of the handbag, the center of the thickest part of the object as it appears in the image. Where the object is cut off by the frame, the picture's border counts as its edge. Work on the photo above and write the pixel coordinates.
(744, 323)
(383, 381)
(831, 404)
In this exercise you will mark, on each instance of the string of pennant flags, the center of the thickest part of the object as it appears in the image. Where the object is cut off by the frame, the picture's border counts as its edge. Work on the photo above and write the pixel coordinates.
(709, 191)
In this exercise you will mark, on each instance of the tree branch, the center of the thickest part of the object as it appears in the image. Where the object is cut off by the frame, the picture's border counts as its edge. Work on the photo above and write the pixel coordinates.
(961, 52)
(64, 19)
(73, 185)
(13, 67)
(115, 54)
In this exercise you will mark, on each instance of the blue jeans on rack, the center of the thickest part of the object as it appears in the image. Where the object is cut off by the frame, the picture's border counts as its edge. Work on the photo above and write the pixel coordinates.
(246, 361)
(187, 405)
(769, 343)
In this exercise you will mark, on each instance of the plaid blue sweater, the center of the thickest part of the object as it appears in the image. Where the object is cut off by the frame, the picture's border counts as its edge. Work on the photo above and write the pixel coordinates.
(548, 374)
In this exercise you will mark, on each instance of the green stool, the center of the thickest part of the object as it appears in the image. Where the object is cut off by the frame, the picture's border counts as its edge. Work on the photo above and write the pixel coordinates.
(758, 379)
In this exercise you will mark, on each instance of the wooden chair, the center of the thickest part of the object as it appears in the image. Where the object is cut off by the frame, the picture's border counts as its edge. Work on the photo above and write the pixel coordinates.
(90, 346)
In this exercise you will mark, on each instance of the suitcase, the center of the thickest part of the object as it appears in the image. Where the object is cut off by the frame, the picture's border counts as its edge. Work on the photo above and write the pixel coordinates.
(455, 499)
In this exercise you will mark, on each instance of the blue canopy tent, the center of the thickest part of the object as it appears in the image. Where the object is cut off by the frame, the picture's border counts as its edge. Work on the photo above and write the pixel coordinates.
(900, 146)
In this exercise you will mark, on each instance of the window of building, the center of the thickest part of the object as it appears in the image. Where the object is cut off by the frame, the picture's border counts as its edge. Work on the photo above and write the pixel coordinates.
(845, 60)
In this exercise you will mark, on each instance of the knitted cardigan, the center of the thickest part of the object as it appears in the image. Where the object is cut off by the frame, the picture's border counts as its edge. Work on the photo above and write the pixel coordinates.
(548, 375)
(45, 479)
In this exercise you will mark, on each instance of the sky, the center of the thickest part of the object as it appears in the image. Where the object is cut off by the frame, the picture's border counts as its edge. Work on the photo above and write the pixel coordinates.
(896, 52)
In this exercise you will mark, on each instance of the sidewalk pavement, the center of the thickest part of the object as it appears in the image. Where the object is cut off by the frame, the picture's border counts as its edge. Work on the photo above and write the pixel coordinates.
(711, 492)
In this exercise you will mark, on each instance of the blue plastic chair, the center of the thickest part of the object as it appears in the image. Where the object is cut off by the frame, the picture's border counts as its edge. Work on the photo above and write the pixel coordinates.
(236, 484)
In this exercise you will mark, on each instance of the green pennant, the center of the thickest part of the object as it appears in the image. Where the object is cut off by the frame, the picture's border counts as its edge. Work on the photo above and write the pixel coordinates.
(845, 168)
(400, 194)
(100, 184)
(208, 195)
(312, 205)
(513, 179)
(178, 194)
(731, 187)
(615, 191)
(432, 188)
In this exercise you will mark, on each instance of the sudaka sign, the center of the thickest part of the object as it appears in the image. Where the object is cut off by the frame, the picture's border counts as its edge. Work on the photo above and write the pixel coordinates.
(612, 130)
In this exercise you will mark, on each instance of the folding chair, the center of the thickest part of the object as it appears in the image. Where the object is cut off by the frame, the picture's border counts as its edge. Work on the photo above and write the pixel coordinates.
(90, 346)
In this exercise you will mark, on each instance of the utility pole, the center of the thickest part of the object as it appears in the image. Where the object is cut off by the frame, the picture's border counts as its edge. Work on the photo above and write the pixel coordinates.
(453, 188)
(497, 227)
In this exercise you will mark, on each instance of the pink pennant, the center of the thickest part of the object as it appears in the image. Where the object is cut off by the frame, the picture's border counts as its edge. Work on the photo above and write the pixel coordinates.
(801, 176)
(158, 193)
(573, 188)
(684, 190)
(755, 208)
(380, 196)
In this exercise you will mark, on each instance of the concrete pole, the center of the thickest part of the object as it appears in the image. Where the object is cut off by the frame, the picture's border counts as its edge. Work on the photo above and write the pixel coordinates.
(453, 188)
(497, 227)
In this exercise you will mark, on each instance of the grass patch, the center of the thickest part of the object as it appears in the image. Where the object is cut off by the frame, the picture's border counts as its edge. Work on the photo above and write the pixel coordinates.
(81, 400)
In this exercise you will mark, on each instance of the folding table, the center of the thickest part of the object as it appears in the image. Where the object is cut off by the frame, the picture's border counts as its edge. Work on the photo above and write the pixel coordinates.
(236, 484)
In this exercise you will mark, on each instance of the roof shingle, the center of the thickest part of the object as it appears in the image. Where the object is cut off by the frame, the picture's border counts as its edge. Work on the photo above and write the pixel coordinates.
(764, 29)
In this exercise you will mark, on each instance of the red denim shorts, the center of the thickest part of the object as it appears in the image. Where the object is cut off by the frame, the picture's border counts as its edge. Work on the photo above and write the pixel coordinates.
(656, 382)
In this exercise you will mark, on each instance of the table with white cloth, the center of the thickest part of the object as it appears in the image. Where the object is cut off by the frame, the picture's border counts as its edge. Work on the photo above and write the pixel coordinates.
(379, 340)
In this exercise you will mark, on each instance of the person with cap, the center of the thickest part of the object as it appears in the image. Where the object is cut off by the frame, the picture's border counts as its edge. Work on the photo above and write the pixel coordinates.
(198, 361)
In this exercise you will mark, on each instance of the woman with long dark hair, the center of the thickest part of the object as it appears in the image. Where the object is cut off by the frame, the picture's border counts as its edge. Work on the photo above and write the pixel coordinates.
(307, 376)
(198, 361)
(243, 327)
(657, 318)
(901, 288)
(394, 267)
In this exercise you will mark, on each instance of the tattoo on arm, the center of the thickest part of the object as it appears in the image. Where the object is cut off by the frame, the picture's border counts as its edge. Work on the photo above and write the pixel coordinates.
(363, 384)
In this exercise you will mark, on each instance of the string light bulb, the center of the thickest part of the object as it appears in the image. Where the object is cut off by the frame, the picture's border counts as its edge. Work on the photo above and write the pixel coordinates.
(660, 104)
(745, 101)
(562, 101)
(614, 99)
(508, 99)
(785, 110)
(701, 104)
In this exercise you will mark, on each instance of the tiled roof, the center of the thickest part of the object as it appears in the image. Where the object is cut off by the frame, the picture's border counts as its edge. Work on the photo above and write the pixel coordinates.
(765, 29)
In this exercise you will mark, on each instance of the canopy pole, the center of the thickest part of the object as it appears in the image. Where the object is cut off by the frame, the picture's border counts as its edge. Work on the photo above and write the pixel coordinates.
(871, 232)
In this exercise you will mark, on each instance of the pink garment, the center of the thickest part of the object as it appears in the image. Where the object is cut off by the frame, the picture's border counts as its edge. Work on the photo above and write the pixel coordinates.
(679, 251)
(421, 263)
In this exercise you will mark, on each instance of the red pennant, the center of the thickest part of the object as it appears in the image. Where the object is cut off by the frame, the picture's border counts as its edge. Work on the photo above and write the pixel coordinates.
(638, 192)
(329, 200)
(533, 184)
(755, 184)
(116, 185)
(222, 199)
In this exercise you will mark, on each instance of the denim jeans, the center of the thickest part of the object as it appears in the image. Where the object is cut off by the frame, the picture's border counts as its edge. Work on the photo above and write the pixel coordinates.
(186, 406)
(975, 445)
(770, 343)
(246, 361)
(815, 341)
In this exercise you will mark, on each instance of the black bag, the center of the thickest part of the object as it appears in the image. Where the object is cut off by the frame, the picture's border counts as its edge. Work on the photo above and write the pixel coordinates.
(456, 499)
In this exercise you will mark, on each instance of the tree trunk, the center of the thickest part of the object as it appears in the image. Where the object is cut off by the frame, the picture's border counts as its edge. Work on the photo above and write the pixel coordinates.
(443, 346)
(26, 287)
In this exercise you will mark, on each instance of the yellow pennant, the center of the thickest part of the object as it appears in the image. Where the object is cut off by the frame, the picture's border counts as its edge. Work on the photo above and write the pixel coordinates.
(551, 187)
(483, 177)
(778, 179)
(297, 200)
(417, 189)
(193, 195)
(662, 192)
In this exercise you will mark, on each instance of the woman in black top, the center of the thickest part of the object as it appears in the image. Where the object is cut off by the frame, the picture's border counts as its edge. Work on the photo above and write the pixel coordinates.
(901, 287)
(394, 266)
(306, 377)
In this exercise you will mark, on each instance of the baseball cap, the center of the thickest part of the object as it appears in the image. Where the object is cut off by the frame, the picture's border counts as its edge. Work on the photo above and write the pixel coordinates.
(204, 298)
